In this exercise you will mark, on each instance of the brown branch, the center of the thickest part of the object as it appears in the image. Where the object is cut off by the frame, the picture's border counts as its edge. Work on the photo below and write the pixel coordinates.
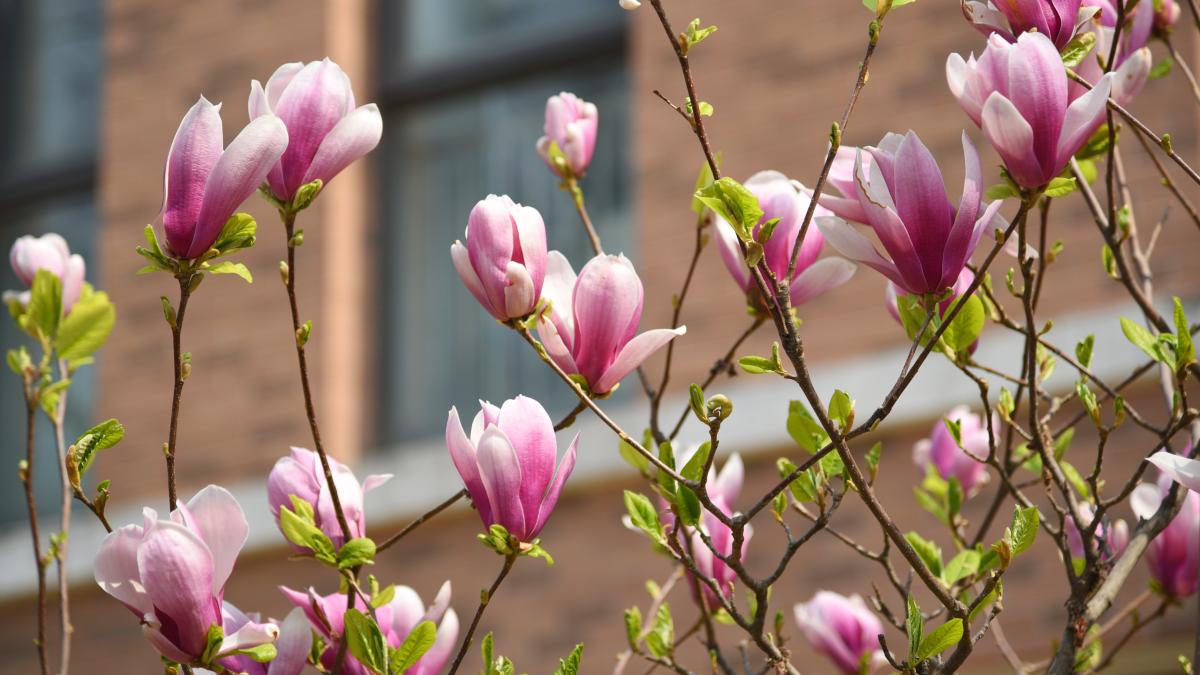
(387, 543)
(185, 292)
(484, 599)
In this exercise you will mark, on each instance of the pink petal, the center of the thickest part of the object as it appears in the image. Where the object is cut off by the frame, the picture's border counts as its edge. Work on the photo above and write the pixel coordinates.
(531, 432)
(731, 253)
(843, 237)
(293, 645)
(351, 138)
(435, 659)
(310, 105)
(194, 153)
(608, 307)
(500, 471)
(177, 569)
(219, 521)
(462, 264)
(462, 453)
(376, 480)
(236, 176)
(1012, 137)
(821, 276)
(728, 483)
(557, 290)
(957, 249)
(633, 354)
(565, 467)
(530, 249)
(1182, 470)
(520, 297)
(490, 246)
(922, 204)
(116, 569)
(1083, 117)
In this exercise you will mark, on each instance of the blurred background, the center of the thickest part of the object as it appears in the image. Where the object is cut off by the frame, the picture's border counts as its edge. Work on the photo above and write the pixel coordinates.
(91, 93)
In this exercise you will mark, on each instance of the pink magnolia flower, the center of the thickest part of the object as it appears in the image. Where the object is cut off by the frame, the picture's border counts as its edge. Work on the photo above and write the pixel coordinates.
(571, 124)
(396, 620)
(1174, 555)
(724, 486)
(48, 252)
(590, 326)
(1110, 538)
(1058, 20)
(898, 190)
(1132, 65)
(1166, 13)
(707, 562)
(1182, 470)
(328, 133)
(788, 201)
(892, 293)
(171, 574)
(1017, 94)
(292, 646)
(503, 263)
(203, 184)
(507, 464)
(301, 475)
(941, 452)
(843, 629)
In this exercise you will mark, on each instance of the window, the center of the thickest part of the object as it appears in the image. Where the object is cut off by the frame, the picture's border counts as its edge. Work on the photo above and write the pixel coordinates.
(49, 103)
(465, 87)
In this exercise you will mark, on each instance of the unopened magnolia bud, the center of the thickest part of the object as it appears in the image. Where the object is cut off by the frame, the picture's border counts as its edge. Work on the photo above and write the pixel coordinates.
(185, 369)
(720, 406)
(23, 471)
(194, 283)
(168, 311)
(72, 465)
(284, 272)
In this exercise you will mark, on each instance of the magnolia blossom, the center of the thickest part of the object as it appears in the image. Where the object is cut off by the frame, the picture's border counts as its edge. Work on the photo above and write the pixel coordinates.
(503, 263)
(396, 619)
(1017, 94)
(1058, 20)
(292, 647)
(48, 252)
(1174, 555)
(590, 326)
(897, 189)
(944, 454)
(571, 124)
(171, 574)
(723, 486)
(302, 475)
(316, 103)
(843, 629)
(788, 201)
(1133, 60)
(507, 464)
(1182, 470)
(1166, 13)
(709, 564)
(1110, 538)
(203, 184)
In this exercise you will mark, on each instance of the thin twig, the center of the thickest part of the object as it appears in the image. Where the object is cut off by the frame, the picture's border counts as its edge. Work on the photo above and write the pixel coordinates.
(484, 599)
(185, 292)
(27, 480)
(387, 543)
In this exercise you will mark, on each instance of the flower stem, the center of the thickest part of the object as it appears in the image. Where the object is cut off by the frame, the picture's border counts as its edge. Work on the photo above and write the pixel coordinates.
(185, 292)
(484, 599)
(27, 481)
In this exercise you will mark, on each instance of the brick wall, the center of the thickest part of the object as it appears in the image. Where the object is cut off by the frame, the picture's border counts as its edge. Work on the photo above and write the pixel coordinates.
(777, 73)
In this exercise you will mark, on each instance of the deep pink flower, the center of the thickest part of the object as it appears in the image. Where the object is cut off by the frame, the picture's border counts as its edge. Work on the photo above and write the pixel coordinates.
(788, 201)
(48, 252)
(709, 564)
(1112, 537)
(301, 475)
(507, 464)
(897, 189)
(571, 123)
(204, 184)
(292, 646)
(951, 461)
(1132, 66)
(591, 324)
(396, 620)
(1174, 555)
(1058, 20)
(1017, 94)
(503, 263)
(171, 574)
(843, 629)
(328, 133)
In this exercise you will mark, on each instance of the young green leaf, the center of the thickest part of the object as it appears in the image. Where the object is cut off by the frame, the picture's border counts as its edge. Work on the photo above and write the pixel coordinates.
(942, 638)
(570, 665)
(87, 327)
(365, 641)
(419, 641)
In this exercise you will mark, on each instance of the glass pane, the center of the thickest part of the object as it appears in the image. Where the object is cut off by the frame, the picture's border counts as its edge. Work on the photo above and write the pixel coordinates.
(439, 347)
(430, 30)
(50, 85)
(74, 217)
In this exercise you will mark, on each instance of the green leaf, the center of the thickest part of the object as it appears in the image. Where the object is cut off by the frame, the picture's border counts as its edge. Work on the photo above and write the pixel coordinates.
(44, 310)
(356, 552)
(914, 625)
(264, 653)
(644, 516)
(733, 202)
(488, 652)
(704, 180)
(661, 639)
(1061, 186)
(1001, 191)
(696, 401)
(695, 34)
(695, 464)
(966, 326)
(757, 365)
(299, 528)
(419, 641)
(306, 194)
(87, 327)
(633, 627)
(1185, 351)
(1161, 69)
(804, 428)
(873, 457)
(1024, 528)
(50, 396)
(635, 458)
(804, 488)
(1083, 351)
(884, 6)
(942, 638)
(366, 641)
(19, 361)
(961, 566)
(988, 599)
(570, 665)
(929, 552)
(1142, 339)
(239, 232)
(228, 267)
(1075, 50)
(100, 437)
(841, 410)
(1096, 146)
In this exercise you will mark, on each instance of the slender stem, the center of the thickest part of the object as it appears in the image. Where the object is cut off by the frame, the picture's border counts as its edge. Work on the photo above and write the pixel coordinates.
(64, 606)
(419, 520)
(1183, 66)
(718, 368)
(185, 292)
(310, 410)
(677, 301)
(484, 599)
(27, 481)
(570, 418)
(572, 186)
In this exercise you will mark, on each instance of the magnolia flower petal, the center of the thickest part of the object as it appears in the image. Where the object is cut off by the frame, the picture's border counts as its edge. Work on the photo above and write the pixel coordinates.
(531, 431)
(293, 645)
(519, 293)
(177, 569)
(958, 250)
(352, 137)
(462, 264)
(194, 153)
(462, 453)
(1182, 470)
(500, 470)
(565, 467)
(1083, 117)
(1145, 500)
(376, 480)
(1013, 139)
(850, 243)
(731, 253)
(220, 522)
(728, 483)
(821, 276)
(116, 569)
(608, 306)
(633, 354)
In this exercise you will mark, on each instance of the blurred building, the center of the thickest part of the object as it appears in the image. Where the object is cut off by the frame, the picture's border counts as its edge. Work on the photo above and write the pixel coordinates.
(93, 91)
